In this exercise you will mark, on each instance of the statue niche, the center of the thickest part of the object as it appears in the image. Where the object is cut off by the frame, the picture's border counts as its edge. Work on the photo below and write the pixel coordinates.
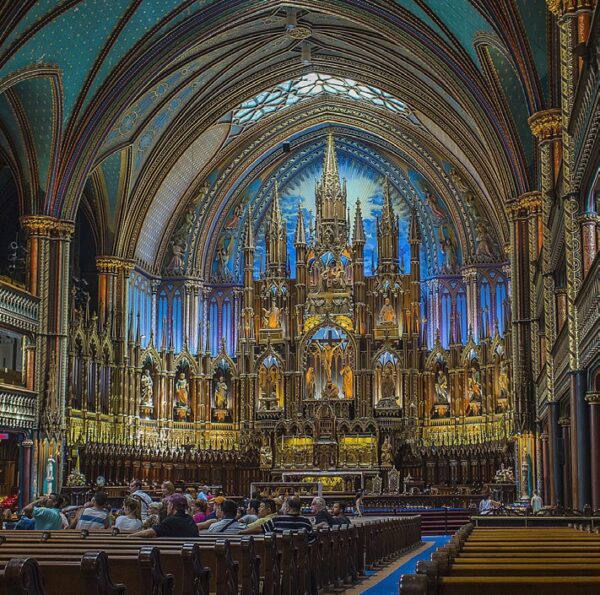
(270, 384)
(147, 387)
(222, 385)
(329, 360)
(387, 381)
(474, 388)
(441, 400)
(181, 402)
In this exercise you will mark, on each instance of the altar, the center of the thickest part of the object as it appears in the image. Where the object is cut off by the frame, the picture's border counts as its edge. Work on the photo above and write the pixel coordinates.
(333, 481)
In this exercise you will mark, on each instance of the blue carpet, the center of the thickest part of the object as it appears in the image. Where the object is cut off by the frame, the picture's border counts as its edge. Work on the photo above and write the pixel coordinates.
(389, 585)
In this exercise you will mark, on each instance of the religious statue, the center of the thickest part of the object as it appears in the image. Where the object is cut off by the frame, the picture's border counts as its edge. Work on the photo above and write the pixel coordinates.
(442, 396)
(387, 315)
(272, 317)
(224, 254)
(388, 384)
(328, 352)
(266, 456)
(309, 380)
(176, 263)
(331, 391)
(347, 381)
(448, 246)
(475, 385)
(504, 475)
(221, 394)
(181, 391)
(50, 479)
(147, 386)
(387, 453)
(485, 246)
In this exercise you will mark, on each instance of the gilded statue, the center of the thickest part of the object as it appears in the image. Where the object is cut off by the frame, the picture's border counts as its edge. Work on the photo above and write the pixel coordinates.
(442, 396)
(474, 384)
(485, 246)
(448, 246)
(328, 352)
(387, 314)
(309, 380)
(272, 317)
(147, 386)
(181, 391)
(347, 381)
(503, 383)
(221, 394)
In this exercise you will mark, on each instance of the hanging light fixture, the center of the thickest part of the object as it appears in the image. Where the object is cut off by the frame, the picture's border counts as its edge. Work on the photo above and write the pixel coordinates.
(291, 18)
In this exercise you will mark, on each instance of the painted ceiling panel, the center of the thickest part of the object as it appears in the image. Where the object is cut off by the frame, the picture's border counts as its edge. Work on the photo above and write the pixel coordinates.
(413, 7)
(113, 172)
(7, 118)
(516, 99)
(36, 97)
(173, 187)
(72, 41)
(463, 20)
(34, 14)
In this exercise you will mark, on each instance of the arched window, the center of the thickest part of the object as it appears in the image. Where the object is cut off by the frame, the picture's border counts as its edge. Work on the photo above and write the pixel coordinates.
(177, 323)
(446, 305)
(161, 318)
(500, 304)
(485, 307)
(213, 316)
(461, 311)
(228, 326)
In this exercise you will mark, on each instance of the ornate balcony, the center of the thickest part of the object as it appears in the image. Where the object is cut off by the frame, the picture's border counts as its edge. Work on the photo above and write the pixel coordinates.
(17, 407)
(18, 308)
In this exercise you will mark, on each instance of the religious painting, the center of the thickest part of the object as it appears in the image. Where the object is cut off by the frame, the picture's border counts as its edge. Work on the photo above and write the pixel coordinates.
(328, 371)
(182, 401)
(270, 384)
(222, 392)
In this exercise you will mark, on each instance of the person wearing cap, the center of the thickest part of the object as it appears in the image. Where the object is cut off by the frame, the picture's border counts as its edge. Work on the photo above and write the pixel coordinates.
(177, 522)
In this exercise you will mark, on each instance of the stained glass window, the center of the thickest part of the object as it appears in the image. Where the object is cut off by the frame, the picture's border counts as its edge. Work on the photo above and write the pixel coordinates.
(311, 85)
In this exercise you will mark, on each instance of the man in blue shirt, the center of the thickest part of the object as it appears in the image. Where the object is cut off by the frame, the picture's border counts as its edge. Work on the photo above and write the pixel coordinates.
(46, 512)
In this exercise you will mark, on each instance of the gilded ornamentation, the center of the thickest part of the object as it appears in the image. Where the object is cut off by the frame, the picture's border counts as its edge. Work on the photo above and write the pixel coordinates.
(546, 125)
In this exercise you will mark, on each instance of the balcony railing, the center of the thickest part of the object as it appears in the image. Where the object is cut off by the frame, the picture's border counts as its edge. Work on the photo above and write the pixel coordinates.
(18, 308)
(17, 407)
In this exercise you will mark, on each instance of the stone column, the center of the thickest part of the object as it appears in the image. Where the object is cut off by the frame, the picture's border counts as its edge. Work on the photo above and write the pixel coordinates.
(593, 398)
(580, 439)
(556, 479)
(588, 222)
(565, 424)
(545, 493)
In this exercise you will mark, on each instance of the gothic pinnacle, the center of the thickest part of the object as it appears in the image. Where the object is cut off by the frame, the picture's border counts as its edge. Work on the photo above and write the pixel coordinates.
(359, 228)
(300, 230)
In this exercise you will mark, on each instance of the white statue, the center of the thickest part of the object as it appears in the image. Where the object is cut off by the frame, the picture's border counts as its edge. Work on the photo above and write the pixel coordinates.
(147, 385)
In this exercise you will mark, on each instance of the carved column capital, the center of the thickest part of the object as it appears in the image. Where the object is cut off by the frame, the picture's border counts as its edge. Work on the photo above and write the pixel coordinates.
(561, 8)
(564, 422)
(44, 225)
(593, 398)
(546, 125)
(113, 264)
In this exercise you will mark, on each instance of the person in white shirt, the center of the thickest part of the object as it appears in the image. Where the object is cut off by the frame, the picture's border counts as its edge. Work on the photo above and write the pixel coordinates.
(130, 520)
(135, 487)
(94, 516)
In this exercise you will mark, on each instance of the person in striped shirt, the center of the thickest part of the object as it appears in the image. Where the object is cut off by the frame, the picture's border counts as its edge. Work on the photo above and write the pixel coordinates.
(94, 516)
(292, 520)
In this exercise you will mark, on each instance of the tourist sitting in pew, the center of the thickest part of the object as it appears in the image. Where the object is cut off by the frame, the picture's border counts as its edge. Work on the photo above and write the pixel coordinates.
(177, 522)
(153, 517)
(337, 512)
(227, 521)
(199, 510)
(93, 515)
(323, 517)
(46, 512)
(250, 513)
(292, 520)
(129, 521)
(267, 510)
(135, 489)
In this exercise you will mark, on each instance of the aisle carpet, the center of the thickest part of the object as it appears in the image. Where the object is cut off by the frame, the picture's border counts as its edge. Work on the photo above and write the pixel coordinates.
(389, 584)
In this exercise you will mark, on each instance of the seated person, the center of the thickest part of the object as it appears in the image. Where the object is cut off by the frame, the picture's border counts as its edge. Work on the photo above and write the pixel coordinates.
(337, 511)
(199, 510)
(46, 512)
(226, 519)
(322, 516)
(267, 510)
(251, 512)
(292, 520)
(130, 520)
(177, 523)
(93, 515)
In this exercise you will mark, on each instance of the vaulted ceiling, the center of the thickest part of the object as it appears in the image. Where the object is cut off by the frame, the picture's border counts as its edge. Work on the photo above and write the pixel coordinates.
(133, 106)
